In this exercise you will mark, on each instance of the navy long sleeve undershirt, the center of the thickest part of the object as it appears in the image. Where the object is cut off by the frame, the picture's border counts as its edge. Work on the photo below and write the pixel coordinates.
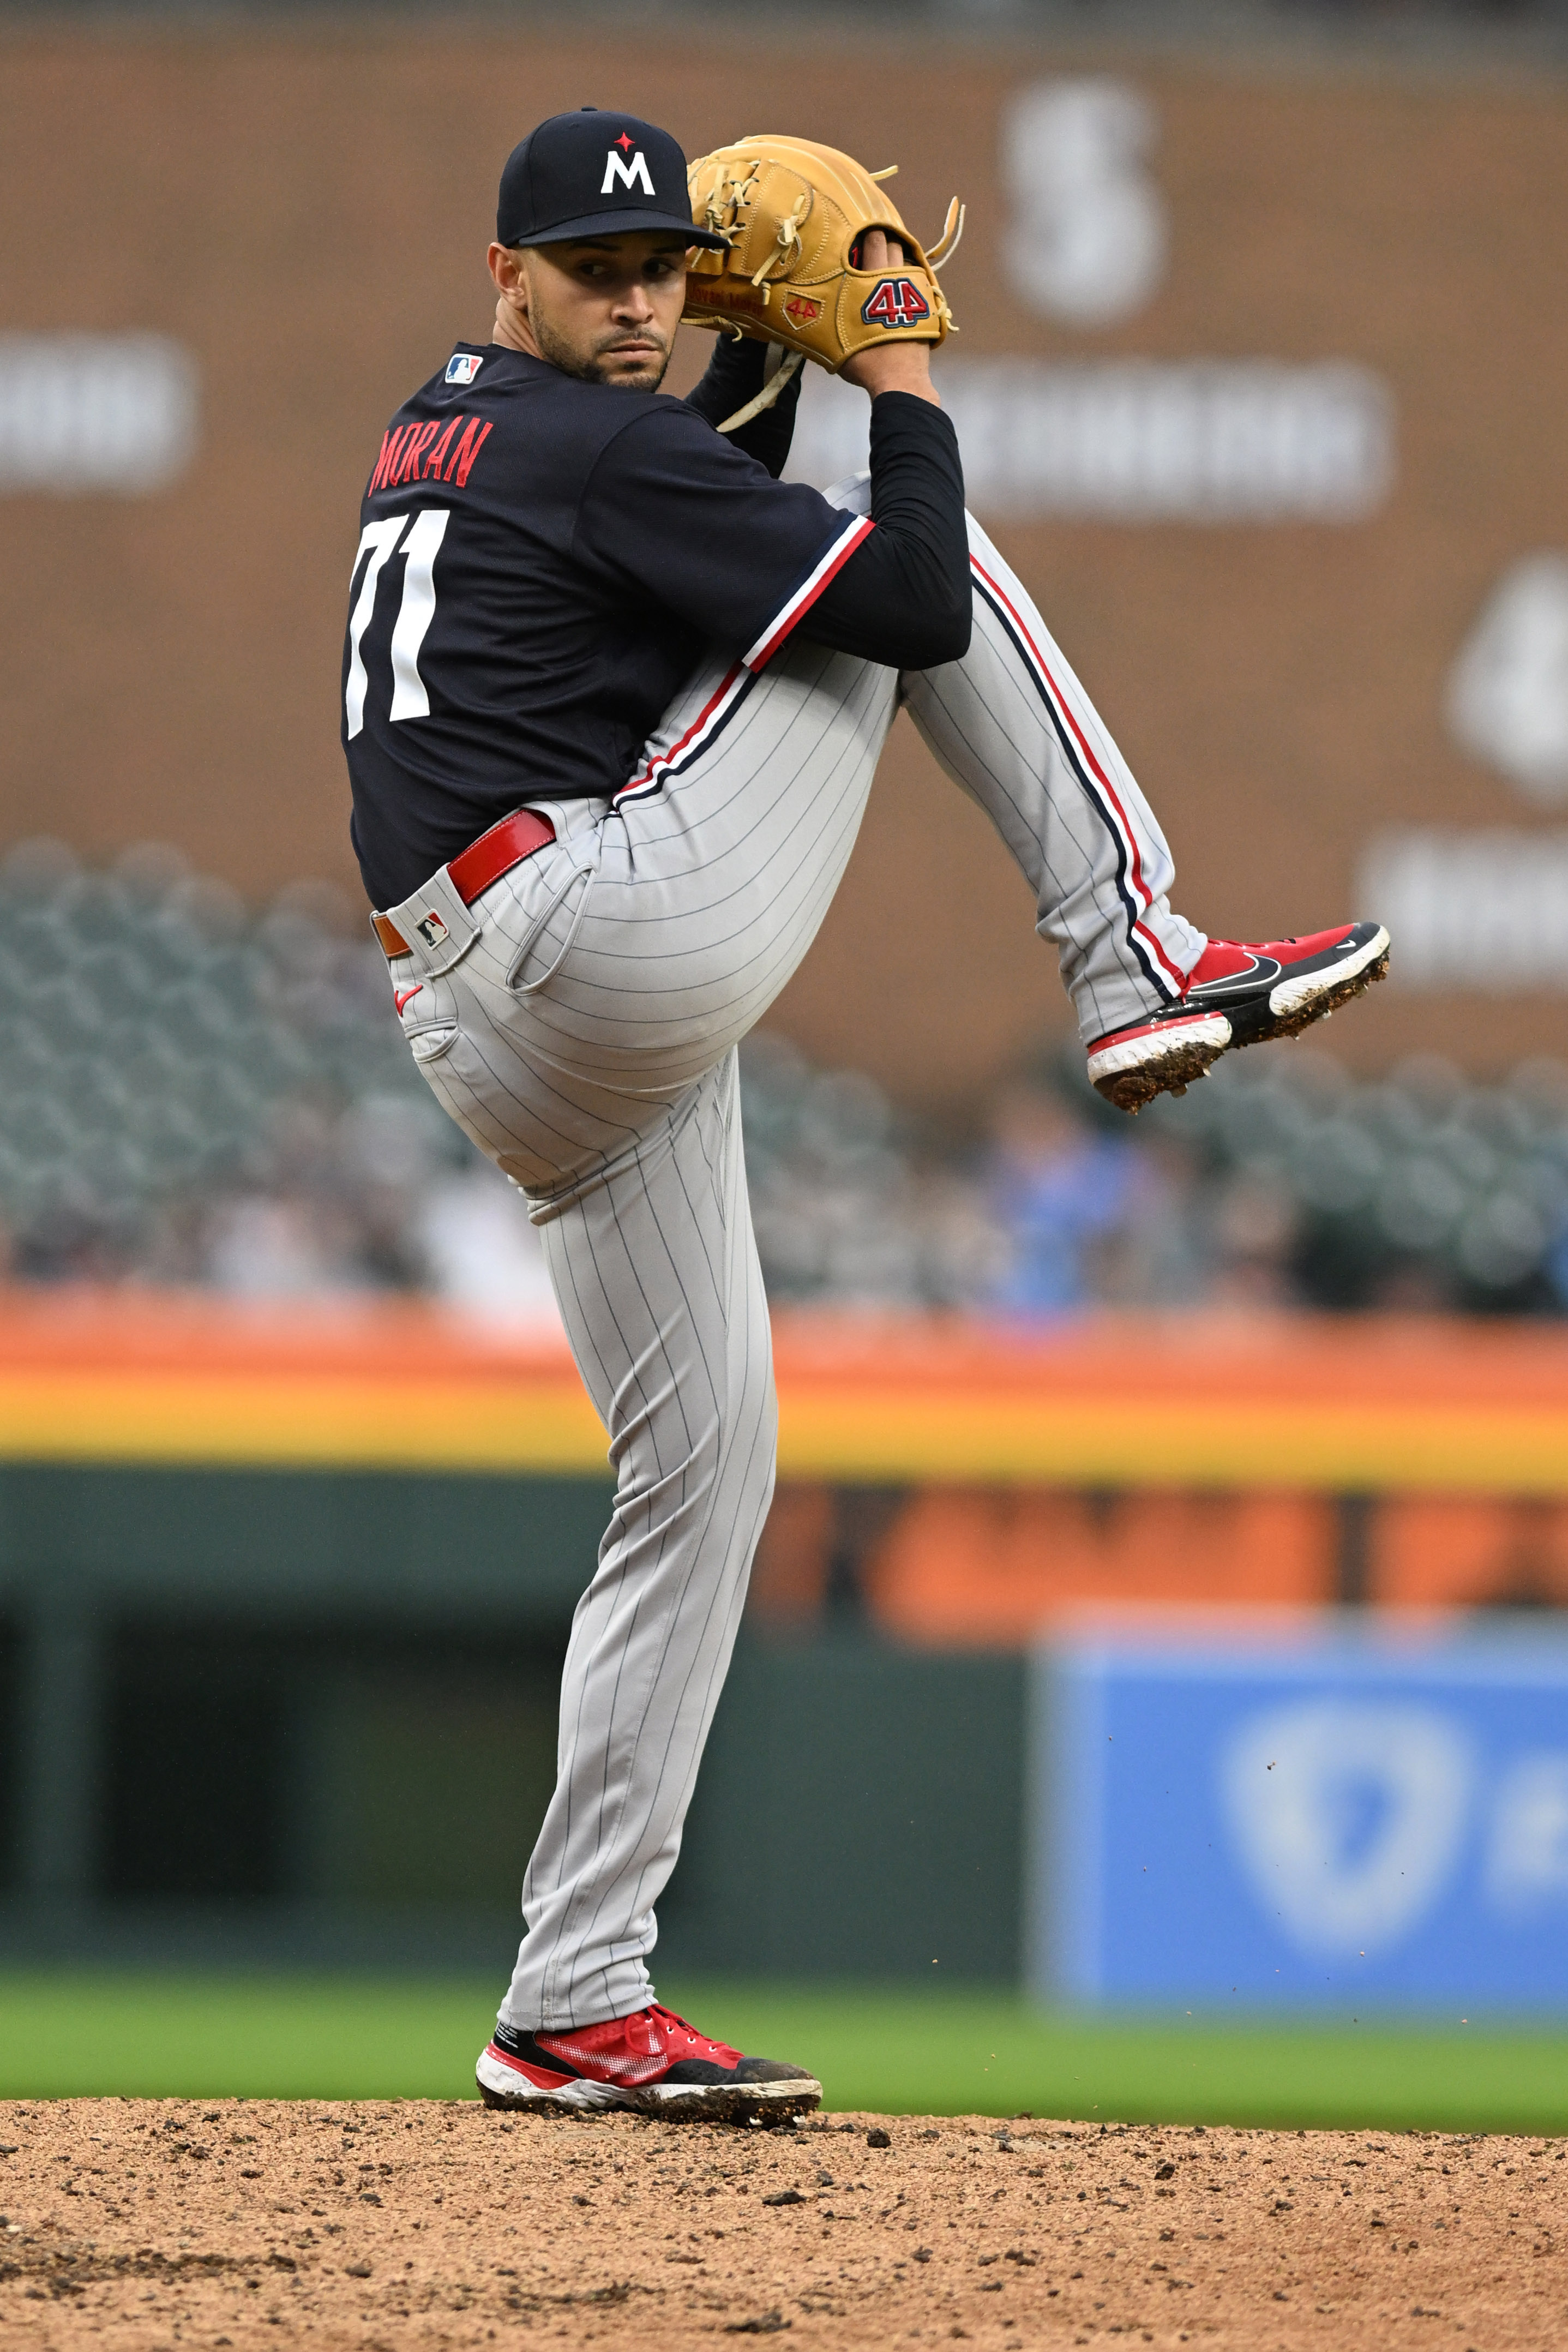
(902, 598)
(733, 376)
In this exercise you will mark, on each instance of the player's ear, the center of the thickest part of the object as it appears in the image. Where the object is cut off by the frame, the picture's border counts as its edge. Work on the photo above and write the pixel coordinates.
(508, 267)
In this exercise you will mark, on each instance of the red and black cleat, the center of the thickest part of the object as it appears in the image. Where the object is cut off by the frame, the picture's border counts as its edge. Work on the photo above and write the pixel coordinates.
(1240, 993)
(653, 2061)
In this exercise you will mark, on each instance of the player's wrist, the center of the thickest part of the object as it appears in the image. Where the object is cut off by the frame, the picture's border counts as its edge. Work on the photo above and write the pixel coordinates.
(895, 367)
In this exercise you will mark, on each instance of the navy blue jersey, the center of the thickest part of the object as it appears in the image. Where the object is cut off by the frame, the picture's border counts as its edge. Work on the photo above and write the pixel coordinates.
(541, 564)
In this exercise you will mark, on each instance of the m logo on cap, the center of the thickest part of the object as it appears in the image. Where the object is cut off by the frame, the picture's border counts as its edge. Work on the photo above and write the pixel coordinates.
(631, 176)
(638, 171)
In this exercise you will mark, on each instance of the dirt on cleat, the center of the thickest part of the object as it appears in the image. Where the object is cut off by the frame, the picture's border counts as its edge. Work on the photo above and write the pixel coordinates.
(1173, 1073)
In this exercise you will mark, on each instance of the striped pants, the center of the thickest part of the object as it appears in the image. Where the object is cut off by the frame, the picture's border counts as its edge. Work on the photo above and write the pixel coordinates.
(580, 1023)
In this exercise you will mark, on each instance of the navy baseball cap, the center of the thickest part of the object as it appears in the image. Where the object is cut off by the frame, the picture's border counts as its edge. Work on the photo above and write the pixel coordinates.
(594, 173)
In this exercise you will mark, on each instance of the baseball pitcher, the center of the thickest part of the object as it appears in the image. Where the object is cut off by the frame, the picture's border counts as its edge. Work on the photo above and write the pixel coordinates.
(614, 697)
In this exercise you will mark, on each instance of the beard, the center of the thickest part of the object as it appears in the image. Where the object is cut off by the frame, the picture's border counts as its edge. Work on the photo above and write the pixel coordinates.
(597, 367)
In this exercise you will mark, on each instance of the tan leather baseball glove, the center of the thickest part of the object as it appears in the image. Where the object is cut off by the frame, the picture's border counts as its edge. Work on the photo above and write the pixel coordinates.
(795, 214)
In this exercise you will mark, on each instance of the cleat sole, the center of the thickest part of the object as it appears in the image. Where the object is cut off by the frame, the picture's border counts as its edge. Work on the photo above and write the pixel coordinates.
(718, 2103)
(1164, 1073)
(1167, 1061)
(503, 2084)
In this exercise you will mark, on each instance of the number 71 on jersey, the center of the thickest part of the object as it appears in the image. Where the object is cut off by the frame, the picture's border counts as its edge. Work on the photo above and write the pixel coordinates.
(415, 613)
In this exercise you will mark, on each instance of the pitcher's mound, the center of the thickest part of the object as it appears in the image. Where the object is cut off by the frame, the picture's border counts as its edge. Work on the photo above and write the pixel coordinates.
(148, 2223)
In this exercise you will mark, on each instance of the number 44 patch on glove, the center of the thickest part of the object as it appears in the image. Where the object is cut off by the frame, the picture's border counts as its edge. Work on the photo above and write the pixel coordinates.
(897, 302)
(795, 215)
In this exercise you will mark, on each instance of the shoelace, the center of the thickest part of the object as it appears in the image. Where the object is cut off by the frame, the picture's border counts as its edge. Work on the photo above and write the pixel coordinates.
(668, 2016)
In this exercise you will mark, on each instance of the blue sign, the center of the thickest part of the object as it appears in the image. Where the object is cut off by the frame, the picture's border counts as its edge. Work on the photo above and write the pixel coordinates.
(1351, 1822)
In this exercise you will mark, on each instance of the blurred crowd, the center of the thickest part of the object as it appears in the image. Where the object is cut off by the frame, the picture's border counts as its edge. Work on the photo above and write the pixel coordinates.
(1277, 1182)
(199, 1095)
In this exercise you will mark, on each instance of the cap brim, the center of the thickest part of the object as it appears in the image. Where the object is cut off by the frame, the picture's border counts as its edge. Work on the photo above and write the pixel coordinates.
(619, 225)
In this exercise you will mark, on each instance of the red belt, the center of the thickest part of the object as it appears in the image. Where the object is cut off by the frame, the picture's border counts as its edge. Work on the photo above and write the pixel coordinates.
(482, 862)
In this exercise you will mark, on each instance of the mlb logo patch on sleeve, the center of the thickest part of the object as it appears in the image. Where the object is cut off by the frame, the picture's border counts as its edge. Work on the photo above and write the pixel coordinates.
(463, 366)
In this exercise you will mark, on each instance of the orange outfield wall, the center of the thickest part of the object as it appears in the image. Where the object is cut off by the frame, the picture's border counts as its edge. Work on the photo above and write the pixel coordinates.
(1316, 1405)
(1135, 1462)
(957, 1568)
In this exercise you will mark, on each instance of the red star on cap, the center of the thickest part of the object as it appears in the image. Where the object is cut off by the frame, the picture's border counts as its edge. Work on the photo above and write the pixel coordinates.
(624, 141)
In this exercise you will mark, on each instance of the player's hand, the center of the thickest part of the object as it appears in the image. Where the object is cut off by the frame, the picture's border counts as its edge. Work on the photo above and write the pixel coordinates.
(895, 367)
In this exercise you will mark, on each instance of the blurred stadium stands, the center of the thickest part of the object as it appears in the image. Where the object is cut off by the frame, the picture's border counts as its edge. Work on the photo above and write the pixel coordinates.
(201, 1095)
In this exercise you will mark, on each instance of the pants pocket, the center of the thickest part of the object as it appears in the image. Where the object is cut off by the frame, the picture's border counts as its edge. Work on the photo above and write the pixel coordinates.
(429, 1044)
(427, 1016)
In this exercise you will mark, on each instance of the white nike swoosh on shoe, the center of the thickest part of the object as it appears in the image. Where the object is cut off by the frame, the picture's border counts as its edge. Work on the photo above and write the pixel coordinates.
(1257, 972)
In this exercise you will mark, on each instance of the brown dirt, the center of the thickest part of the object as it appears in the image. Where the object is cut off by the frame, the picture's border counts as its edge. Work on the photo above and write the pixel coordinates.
(153, 2224)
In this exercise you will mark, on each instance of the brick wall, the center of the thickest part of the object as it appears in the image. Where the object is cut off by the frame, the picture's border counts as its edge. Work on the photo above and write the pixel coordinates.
(307, 213)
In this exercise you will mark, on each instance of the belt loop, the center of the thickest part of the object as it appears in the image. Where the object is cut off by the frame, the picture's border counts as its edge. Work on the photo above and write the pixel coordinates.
(389, 939)
(436, 925)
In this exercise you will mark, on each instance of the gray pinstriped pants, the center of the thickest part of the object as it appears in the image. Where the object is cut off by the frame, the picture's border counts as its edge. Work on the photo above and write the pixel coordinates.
(580, 1023)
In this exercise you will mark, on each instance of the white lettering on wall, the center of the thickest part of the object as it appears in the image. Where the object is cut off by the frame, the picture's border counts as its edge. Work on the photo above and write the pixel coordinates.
(1485, 910)
(1087, 238)
(1209, 441)
(1508, 693)
(83, 413)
